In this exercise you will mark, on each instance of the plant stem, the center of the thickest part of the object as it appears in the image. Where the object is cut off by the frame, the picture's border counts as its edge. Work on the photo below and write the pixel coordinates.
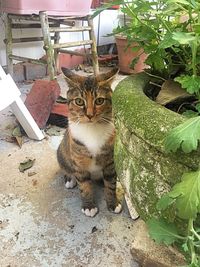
(181, 7)
(194, 47)
(158, 85)
(135, 16)
(169, 30)
(165, 25)
(194, 54)
(155, 76)
(190, 242)
(195, 234)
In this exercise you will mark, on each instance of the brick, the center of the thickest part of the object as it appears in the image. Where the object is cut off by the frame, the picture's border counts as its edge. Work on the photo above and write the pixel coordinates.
(69, 61)
(41, 99)
(18, 72)
(60, 109)
(106, 58)
(35, 71)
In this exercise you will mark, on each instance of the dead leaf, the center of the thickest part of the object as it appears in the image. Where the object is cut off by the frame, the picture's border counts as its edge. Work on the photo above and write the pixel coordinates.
(94, 229)
(19, 141)
(17, 235)
(17, 134)
(35, 182)
(25, 165)
(31, 173)
(53, 131)
(169, 92)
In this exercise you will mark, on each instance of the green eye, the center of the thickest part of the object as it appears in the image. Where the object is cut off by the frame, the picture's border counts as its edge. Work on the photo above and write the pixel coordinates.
(99, 101)
(79, 102)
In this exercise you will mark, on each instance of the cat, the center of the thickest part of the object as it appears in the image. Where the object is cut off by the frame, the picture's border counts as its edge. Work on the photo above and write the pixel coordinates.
(86, 151)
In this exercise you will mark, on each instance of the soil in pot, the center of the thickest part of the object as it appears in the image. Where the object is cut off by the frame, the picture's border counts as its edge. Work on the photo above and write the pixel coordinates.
(170, 95)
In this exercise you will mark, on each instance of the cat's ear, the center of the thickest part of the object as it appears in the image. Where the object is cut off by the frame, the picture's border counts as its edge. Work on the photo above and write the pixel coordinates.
(71, 77)
(107, 78)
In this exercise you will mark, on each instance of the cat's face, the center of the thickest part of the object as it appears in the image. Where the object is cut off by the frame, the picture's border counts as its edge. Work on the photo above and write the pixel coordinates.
(89, 98)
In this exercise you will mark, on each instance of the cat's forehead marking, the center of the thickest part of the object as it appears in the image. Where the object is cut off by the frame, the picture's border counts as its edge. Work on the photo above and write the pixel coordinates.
(90, 84)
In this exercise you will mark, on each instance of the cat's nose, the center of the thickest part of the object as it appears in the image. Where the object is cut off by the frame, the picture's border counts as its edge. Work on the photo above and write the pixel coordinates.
(89, 116)
(90, 112)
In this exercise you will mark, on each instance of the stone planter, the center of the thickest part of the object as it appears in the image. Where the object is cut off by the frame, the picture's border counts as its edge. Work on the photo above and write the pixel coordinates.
(145, 170)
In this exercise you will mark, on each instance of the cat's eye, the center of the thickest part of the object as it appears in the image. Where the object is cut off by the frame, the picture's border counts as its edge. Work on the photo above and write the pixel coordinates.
(99, 101)
(79, 102)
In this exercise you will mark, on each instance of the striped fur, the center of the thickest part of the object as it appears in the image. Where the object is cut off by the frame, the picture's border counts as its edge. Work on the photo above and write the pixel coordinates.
(86, 151)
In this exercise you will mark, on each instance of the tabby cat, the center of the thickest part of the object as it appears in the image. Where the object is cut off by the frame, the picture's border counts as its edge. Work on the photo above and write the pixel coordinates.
(86, 151)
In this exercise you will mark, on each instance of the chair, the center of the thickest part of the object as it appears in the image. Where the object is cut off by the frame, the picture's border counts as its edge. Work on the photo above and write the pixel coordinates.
(50, 25)
(10, 96)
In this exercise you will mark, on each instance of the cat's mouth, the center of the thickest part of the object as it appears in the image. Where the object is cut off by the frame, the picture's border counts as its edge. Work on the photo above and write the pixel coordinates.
(90, 121)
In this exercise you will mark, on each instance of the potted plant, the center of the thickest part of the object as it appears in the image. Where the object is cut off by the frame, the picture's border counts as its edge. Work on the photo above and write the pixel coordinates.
(161, 29)
(130, 57)
(168, 32)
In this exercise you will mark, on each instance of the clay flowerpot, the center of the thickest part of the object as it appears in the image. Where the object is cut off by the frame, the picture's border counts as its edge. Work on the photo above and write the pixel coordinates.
(126, 55)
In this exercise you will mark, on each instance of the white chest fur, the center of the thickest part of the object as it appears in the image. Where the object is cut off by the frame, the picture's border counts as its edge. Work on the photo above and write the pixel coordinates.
(93, 136)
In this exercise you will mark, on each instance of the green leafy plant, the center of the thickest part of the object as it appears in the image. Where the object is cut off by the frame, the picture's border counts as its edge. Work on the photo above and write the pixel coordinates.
(168, 31)
(185, 136)
(185, 196)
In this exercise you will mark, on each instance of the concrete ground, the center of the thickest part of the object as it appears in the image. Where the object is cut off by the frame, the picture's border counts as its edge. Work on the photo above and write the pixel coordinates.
(41, 224)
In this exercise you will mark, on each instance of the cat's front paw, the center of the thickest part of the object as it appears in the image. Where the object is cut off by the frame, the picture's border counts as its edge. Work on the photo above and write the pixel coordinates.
(90, 212)
(116, 209)
(70, 183)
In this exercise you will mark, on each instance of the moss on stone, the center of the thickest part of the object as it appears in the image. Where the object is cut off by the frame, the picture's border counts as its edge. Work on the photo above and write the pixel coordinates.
(143, 166)
(145, 118)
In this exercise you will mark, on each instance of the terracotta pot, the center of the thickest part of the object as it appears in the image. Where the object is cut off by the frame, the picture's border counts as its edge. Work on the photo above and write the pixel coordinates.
(126, 55)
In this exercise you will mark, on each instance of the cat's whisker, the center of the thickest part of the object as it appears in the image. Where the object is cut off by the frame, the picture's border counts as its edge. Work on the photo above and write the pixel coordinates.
(103, 119)
(77, 121)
